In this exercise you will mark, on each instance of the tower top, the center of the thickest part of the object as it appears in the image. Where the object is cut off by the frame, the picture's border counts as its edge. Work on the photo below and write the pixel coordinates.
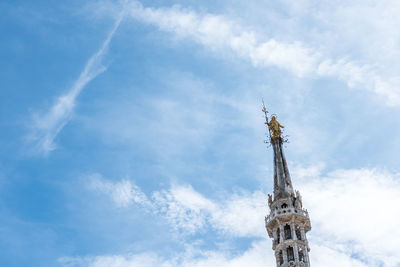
(282, 181)
(287, 222)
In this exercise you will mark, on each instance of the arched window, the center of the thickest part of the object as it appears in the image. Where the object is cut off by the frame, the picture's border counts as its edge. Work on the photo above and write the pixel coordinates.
(298, 233)
(290, 254)
(288, 232)
(284, 206)
(280, 258)
(278, 236)
(301, 254)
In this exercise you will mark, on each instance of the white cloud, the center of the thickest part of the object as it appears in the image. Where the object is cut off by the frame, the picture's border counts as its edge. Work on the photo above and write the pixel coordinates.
(259, 254)
(356, 209)
(256, 256)
(123, 193)
(353, 212)
(185, 208)
(222, 35)
(242, 214)
(219, 33)
(361, 76)
(321, 255)
(45, 127)
(237, 214)
(143, 260)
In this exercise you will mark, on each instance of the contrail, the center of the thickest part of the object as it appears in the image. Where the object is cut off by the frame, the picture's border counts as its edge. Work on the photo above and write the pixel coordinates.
(46, 126)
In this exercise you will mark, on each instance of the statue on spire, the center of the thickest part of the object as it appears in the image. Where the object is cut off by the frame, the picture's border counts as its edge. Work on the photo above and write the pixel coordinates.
(287, 222)
(275, 127)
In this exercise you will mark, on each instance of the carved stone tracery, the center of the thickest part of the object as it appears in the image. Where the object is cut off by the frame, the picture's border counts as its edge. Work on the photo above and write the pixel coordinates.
(287, 222)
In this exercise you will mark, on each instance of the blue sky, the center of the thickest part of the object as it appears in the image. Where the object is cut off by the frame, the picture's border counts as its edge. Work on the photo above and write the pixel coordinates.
(132, 132)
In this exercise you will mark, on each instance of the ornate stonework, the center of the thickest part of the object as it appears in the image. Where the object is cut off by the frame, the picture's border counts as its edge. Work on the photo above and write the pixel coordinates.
(287, 222)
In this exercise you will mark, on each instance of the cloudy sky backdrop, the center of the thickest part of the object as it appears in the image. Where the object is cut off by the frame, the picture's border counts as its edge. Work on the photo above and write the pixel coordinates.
(132, 132)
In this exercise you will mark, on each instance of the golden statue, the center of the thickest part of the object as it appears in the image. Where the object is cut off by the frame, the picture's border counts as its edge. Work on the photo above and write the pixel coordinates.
(275, 127)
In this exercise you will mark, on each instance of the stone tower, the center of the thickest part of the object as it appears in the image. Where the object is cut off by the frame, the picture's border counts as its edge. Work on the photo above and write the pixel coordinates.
(287, 222)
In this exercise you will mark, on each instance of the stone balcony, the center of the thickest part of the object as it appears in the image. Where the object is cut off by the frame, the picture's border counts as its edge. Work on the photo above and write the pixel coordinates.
(283, 212)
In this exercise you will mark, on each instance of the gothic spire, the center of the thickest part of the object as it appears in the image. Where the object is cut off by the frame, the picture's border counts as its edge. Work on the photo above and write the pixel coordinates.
(288, 222)
(282, 182)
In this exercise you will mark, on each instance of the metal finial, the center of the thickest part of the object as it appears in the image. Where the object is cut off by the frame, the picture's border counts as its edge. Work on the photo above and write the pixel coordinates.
(264, 109)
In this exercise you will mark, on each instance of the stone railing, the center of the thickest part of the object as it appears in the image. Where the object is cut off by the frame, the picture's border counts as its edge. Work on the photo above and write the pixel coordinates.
(286, 211)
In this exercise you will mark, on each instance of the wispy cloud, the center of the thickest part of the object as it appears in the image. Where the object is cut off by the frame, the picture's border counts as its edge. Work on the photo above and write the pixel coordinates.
(359, 200)
(123, 193)
(258, 255)
(223, 35)
(46, 126)
(187, 210)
